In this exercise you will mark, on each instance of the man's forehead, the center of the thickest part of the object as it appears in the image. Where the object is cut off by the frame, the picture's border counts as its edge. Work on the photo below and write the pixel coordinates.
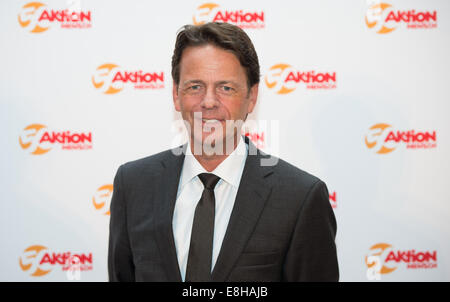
(207, 73)
(209, 64)
(207, 47)
(208, 54)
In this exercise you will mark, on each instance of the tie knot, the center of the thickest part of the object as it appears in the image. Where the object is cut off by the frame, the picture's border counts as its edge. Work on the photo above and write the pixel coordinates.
(209, 180)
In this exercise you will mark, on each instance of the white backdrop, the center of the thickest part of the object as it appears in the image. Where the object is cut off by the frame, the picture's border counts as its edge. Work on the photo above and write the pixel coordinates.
(390, 64)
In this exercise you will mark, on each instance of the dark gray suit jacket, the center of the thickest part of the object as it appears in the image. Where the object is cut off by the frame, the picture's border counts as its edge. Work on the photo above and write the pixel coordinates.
(282, 227)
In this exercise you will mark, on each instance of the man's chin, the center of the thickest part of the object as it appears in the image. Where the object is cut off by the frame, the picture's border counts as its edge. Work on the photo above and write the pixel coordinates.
(212, 144)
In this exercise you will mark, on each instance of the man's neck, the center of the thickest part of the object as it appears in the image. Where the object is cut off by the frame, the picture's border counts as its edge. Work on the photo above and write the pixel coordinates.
(211, 162)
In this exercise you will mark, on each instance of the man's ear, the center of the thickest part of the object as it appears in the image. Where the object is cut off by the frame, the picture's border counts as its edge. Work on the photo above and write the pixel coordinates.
(176, 99)
(253, 96)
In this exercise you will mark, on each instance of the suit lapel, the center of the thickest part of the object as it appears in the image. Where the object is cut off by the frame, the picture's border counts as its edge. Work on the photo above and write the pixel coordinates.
(165, 204)
(250, 200)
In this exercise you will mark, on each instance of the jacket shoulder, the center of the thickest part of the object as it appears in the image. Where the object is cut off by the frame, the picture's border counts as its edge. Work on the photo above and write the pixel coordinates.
(152, 163)
(294, 177)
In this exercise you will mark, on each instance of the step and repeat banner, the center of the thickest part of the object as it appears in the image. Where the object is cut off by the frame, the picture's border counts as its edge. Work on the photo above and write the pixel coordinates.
(354, 92)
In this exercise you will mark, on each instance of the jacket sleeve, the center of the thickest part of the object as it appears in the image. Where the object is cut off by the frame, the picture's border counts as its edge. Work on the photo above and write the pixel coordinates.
(312, 255)
(120, 258)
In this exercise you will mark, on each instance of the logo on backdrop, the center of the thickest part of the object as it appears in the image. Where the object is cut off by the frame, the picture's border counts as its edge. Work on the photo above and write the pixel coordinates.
(283, 79)
(384, 259)
(102, 199)
(38, 139)
(383, 18)
(383, 138)
(333, 199)
(211, 12)
(38, 261)
(111, 78)
(257, 138)
(36, 17)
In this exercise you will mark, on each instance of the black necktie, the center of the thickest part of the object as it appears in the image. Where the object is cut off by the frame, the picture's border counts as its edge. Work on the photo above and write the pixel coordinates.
(200, 250)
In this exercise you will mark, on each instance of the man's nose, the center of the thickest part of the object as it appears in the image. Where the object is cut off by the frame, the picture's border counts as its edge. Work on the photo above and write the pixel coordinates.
(210, 99)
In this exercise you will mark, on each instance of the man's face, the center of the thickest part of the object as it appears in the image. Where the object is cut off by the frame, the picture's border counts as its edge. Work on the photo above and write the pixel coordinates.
(213, 83)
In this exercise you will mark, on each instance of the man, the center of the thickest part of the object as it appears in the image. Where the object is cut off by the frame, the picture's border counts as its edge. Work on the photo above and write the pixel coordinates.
(213, 209)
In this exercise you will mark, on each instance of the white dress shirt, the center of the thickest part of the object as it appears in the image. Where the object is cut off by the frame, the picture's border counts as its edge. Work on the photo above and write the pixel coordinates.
(190, 189)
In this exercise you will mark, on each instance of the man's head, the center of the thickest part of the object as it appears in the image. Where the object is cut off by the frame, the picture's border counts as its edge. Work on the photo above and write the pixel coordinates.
(222, 35)
(215, 72)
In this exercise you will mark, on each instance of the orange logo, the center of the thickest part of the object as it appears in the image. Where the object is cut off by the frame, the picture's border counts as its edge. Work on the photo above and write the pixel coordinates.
(374, 18)
(103, 74)
(383, 19)
(110, 79)
(29, 262)
(36, 17)
(38, 261)
(28, 17)
(379, 252)
(275, 78)
(204, 13)
(376, 139)
(382, 255)
(102, 199)
(30, 139)
(383, 139)
(39, 140)
(211, 12)
(283, 79)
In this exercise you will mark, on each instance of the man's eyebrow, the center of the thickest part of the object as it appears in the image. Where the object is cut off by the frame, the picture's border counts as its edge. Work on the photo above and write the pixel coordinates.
(192, 82)
(228, 82)
(188, 82)
(225, 82)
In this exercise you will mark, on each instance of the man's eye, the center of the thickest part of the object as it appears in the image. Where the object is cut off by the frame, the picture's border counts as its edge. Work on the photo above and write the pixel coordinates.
(227, 88)
(194, 88)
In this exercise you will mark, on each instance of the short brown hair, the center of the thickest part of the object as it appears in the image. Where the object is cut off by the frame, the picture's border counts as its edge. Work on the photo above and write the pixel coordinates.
(223, 35)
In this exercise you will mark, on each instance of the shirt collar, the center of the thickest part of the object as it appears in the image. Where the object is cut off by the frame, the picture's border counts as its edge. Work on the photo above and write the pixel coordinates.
(230, 170)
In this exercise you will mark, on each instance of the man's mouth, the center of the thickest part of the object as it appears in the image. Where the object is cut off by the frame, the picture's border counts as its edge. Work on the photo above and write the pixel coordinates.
(208, 124)
(211, 120)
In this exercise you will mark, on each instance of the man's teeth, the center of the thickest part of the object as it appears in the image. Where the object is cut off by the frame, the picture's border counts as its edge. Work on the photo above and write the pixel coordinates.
(210, 120)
